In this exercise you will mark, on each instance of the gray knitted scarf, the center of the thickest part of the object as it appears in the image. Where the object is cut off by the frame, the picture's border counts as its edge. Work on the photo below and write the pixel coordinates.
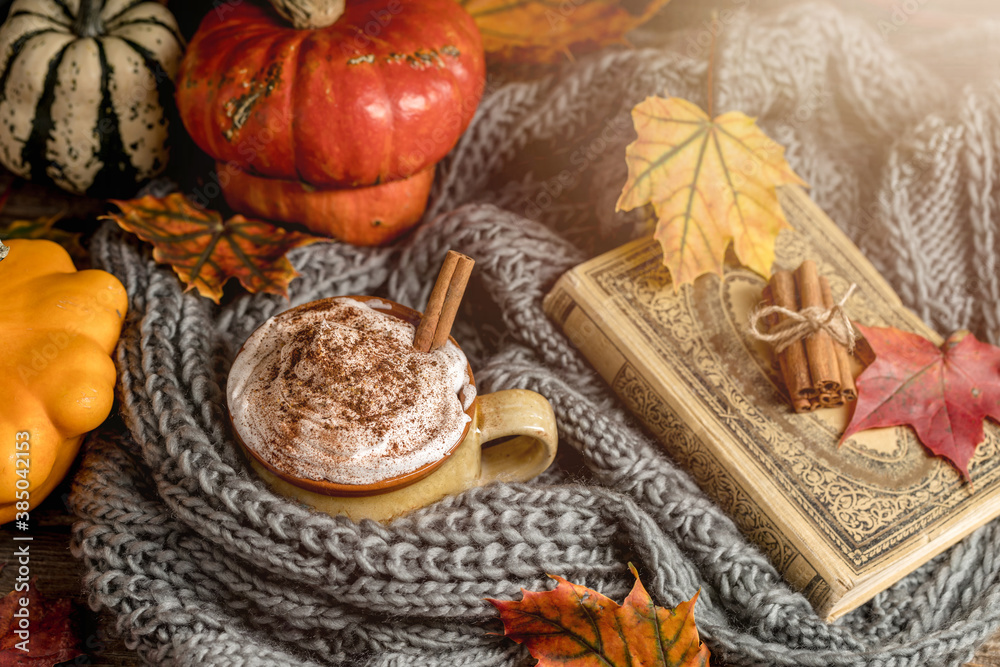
(202, 565)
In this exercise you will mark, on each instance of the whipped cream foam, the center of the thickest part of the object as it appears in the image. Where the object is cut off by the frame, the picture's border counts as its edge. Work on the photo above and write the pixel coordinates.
(335, 391)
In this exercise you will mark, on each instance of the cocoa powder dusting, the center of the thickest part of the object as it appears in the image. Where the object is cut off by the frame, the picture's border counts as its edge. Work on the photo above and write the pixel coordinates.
(341, 395)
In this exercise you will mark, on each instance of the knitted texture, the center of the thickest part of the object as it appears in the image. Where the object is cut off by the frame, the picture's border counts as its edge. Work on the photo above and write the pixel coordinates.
(201, 564)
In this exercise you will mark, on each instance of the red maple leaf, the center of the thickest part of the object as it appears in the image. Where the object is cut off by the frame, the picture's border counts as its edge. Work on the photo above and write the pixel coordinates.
(51, 632)
(944, 394)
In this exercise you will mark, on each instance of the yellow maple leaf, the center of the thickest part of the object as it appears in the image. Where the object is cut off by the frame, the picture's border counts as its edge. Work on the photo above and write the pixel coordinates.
(542, 31)
(711, 183)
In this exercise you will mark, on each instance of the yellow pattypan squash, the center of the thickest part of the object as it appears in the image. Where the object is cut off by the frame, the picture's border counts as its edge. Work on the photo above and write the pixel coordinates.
(58, 327)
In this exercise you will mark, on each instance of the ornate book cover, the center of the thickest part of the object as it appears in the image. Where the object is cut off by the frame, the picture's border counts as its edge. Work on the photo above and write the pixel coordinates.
(841, 522)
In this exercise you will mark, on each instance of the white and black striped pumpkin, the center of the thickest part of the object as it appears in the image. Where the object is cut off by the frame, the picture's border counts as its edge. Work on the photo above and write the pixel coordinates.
(86, 88)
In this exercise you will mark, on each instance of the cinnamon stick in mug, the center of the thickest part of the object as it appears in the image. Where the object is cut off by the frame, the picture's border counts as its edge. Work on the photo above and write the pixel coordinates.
(819, 346)
(452, 299)
(424, 337)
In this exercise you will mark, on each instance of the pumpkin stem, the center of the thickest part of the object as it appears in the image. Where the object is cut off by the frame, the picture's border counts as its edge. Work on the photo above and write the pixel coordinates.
(88, 19)
(310, 14)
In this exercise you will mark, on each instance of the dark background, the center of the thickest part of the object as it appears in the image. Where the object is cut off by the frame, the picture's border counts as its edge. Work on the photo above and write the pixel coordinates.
(930, 14)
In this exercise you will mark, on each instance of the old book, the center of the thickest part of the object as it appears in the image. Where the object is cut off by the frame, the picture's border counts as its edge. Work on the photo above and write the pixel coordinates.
(841, 522)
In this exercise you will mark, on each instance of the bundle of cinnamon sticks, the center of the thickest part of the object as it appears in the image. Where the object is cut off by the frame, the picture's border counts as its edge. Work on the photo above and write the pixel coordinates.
(442, 307)
(816, 370)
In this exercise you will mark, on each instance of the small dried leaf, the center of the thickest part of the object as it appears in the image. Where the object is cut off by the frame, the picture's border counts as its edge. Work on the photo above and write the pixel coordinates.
(540, 31)
(205, 252)
(52, 635)
(711, 183)
(44, 228)
(577, 627)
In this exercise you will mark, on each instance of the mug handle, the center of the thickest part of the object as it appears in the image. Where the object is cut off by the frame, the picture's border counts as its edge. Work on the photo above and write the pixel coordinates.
(516, 412)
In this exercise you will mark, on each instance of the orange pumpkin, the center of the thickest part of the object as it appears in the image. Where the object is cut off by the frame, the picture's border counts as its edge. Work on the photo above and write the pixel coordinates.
(378, 96)
(362, 216)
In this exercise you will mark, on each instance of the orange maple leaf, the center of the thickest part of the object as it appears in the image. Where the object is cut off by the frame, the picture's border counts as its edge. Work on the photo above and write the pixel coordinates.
(576, 627)
(206, 251)
(711, 183)
(543, 31)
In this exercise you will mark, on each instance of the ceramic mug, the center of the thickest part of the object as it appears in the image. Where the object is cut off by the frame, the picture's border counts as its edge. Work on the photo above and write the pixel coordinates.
(525, 418)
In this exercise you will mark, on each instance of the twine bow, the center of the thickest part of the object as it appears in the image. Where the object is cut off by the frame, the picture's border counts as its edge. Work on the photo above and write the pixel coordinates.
(803, 323)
